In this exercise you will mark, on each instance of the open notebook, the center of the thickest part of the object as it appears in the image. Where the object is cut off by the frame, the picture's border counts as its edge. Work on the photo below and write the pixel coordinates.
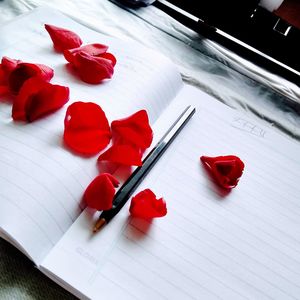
(244, 244)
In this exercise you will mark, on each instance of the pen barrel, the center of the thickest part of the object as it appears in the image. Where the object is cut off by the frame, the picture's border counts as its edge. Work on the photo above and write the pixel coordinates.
(138, 175)
(133, 181)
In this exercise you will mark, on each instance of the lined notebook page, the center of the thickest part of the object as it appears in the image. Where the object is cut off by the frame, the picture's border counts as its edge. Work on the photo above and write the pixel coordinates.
(41, 182)
(244, 244)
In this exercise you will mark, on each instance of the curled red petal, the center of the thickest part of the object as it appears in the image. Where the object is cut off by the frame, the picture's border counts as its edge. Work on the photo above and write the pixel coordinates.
(24, 71)
(38, 98)
(145, 205)
(134, 130)
(85, 115)
(226, 170)
(110, 57)
(8, 65)
(93, 69)
(86, 142)
(91, 49)
(100, 192)
(3, 82)
(87, 129)
(122, 154)
(3, 90)
(63, 38)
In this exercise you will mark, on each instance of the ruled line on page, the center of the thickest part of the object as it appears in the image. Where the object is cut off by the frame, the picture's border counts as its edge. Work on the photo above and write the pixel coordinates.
(30, 217)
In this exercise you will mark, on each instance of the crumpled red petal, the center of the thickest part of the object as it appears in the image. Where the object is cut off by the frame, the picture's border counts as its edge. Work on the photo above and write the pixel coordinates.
(93, 69)
(38, 98)
(226, 170)
(13, 73)
(24, 71)
(92, 63)
(91, 49)
(3, 90)
(100, 192)
(87, 130)
(8, 65)
(145, 205)
(3, 82)
(134, 130)
(122, 154)
(63, 38)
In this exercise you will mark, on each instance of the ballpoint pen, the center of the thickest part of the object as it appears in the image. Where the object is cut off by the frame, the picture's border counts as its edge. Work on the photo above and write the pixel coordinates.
(137, 176)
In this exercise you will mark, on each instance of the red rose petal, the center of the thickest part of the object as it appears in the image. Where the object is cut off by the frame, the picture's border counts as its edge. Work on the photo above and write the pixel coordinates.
(92, 62)
(38, 98)
(3, 85)
(93, 69)
(24, 71)
(100, 192)
(3, 90)
(63, 38)
(110, 57)
(86, 128)
(8, 65)
(91, 49)
(134, 130)
(122, 154)
(226, 170)
(145, 205)
(46, 101)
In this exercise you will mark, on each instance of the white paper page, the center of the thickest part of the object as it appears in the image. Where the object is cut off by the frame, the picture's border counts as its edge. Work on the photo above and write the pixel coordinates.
(41, 182)
(244, 244)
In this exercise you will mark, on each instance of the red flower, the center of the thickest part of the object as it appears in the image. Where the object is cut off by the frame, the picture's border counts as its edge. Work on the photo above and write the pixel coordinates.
(134, 130)
(86, 128)
(226, 170)
(101, 191)
(38, 98)
(13, 73)
(92, 62)
(145, 205)
(63, 38)
(122, 154)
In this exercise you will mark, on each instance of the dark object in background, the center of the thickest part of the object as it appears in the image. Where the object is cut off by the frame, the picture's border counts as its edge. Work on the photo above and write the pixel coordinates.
(244, 27)
(135, 3)
(253, 25)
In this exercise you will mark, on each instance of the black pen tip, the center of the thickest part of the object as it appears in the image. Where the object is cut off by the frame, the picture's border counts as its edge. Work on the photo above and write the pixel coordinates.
(99, 224)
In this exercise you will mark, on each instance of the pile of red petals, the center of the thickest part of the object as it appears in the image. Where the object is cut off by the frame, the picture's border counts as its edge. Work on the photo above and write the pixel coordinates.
(92, 62)
(131, 136)
(87, 129)
(62, 38)
(29, 83)
(145, 205)
(100, 192)
(226, 170)
(13, 74)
